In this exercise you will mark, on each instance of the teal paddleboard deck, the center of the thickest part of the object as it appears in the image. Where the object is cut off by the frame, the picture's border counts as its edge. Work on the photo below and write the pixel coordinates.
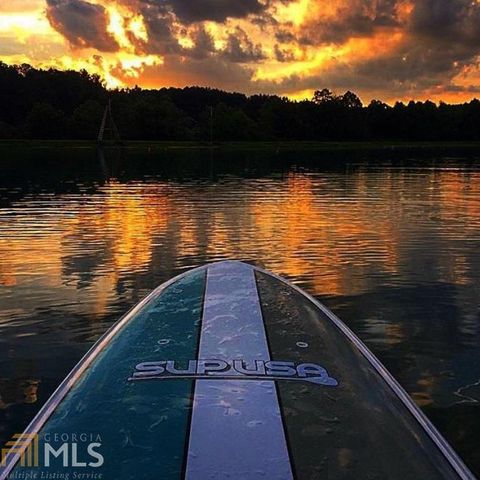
(229, 372)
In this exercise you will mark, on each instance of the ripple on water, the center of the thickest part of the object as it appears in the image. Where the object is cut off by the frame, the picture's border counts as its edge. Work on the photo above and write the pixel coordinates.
(394, 250)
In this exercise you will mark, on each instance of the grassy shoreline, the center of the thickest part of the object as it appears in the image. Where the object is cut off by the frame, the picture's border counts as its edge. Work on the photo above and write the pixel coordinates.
(267, 146)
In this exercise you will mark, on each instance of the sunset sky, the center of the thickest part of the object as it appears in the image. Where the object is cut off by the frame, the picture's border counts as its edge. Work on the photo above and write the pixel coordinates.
(386, 49)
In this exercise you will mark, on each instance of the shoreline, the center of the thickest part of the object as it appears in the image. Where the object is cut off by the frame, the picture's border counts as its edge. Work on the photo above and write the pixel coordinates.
(264, 146)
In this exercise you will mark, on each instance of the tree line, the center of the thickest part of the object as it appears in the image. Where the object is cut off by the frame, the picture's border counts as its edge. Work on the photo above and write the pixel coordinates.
(54, 104)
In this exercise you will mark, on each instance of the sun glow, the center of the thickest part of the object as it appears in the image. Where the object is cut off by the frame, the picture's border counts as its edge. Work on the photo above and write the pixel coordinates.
(312, 60)
(116, 27)
(133, 65)
(136, 26)
(22, 26)
(27, 22)
(295, 12)
(186, 42)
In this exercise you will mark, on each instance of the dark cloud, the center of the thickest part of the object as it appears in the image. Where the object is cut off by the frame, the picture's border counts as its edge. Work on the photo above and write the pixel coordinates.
(285, 36)
(442, 37)
(462, 88)
(203, 45)
(415, 63)
(191, 11)
(159, 23)
(240, 49)
(353, 18)
(160, 19)
(456, 21)
(282, 55)
(81, 23)
(161, 27)
(389, 73)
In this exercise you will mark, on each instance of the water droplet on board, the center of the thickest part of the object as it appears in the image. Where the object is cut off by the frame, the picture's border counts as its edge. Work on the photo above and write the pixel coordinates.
(164, 341)
(302, 344)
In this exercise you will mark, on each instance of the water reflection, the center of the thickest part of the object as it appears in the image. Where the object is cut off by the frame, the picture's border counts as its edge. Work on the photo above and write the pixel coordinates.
(391, 245)
(19, 391)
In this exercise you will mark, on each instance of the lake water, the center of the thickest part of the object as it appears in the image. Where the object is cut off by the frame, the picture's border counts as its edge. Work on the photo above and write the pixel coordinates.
(390, 243)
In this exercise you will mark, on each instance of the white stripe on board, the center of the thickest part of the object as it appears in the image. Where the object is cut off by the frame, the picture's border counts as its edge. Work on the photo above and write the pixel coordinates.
(236, 429)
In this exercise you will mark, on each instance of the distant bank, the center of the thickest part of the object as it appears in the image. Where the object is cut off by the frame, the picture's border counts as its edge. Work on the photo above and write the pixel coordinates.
(248, 145)
(53, 104)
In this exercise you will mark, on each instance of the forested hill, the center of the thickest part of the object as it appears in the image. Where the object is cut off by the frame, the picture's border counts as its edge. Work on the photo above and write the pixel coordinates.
(52, 104)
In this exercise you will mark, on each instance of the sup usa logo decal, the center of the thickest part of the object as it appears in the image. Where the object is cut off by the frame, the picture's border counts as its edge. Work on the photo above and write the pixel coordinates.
(234, 370)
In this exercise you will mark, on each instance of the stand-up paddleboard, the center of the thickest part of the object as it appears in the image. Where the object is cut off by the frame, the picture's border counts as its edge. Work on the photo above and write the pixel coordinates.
(229, 372)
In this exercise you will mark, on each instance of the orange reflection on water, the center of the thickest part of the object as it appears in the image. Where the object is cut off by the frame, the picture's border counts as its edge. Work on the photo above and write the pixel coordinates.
(459, 193)
(25, 251)
(316, 227)
(118, 230)
(103, 237)
(335, 231)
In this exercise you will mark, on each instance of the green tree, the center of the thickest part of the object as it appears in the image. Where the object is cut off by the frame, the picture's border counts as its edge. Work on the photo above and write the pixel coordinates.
(45, 121)
(323, 96)
(228, 123)
(350, 100)
(86, 119)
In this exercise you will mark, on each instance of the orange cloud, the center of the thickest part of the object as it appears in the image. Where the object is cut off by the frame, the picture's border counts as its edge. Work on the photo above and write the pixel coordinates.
(391, 49)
